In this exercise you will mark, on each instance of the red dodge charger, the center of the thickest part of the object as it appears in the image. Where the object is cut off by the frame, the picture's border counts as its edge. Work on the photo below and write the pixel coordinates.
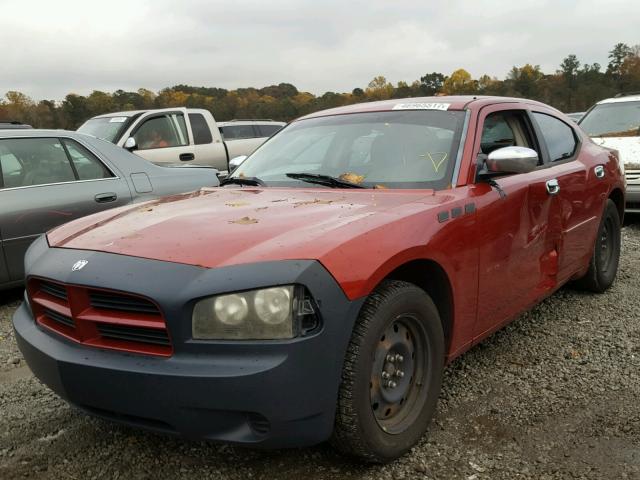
(319, 292)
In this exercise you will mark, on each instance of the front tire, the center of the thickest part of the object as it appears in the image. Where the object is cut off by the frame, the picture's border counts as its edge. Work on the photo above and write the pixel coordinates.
(392, 374)
(603, 265)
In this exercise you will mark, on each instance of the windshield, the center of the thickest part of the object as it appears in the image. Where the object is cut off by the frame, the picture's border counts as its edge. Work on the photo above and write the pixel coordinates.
(398, 149)
(107, 128)
(613, 120)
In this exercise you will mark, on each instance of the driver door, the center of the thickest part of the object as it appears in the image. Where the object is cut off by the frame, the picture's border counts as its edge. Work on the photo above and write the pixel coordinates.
(519, 229)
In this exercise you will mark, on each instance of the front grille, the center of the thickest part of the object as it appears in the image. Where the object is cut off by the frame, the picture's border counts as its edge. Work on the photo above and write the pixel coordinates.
(112, 301)
(134, 334)
(100, 318)
(632, 176)
(54, 289)
(59, 318)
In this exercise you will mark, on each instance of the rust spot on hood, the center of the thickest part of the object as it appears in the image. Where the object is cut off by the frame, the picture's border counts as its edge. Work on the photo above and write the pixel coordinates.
(244, 221)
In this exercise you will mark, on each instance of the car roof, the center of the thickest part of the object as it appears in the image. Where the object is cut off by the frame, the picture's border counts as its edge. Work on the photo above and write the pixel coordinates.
(621, 99)
(40, 132)
(457, 102)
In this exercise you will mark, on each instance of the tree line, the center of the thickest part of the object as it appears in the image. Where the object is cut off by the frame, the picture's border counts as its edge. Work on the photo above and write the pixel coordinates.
(572, 87)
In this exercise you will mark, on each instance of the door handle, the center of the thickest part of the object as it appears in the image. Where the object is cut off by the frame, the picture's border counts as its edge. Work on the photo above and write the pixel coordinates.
(599, 171)
(185, 157)
(106, 197)
(553, 187)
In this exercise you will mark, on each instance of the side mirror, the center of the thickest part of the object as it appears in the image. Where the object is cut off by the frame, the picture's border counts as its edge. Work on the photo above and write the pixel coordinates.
(236, 162)
(130, 144)
(512, 160)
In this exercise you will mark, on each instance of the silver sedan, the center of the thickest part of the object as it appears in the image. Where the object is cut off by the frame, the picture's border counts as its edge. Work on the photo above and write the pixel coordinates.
(49, 177)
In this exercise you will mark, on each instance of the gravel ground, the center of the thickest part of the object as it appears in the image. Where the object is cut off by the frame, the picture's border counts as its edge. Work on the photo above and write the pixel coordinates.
(553, 395)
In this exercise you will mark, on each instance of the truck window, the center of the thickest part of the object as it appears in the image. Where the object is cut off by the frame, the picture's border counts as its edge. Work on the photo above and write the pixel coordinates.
(268, 130)
(162, 131)
(235, 132)
(200, 129)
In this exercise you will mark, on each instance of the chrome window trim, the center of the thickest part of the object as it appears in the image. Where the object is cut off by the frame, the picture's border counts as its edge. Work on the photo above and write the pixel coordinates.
(463, 140)
(59, 183)
(67, 137)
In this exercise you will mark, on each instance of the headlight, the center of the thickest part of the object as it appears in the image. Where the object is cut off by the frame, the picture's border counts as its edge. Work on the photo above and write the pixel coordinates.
(265, 314)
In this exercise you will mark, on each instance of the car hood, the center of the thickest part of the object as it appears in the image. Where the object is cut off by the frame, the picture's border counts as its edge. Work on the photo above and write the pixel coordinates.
(627, 147)
(216, 227)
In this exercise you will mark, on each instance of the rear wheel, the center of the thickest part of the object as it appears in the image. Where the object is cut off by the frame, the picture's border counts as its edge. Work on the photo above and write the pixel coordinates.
(392, 374)
(606, 253)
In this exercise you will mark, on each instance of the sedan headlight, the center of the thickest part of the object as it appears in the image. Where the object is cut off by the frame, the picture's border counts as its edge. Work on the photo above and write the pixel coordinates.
(265, 314)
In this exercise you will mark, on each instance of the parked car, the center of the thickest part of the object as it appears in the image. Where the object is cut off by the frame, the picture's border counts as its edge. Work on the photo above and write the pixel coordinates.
(615, 123)
(171, 135)
(319, 293)
(49, 177)
(13, 126)
(575, 116)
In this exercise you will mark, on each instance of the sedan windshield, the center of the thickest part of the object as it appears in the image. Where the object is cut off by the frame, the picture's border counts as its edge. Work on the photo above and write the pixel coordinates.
(397, 149)
(107, 128)
(620, 119)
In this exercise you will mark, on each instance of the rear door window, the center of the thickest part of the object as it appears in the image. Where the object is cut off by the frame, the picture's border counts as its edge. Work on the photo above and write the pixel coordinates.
(200, 129)
(86, 164)
(559, 137)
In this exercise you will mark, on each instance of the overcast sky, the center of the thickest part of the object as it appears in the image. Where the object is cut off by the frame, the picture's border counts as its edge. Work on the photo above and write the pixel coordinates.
(51, 48)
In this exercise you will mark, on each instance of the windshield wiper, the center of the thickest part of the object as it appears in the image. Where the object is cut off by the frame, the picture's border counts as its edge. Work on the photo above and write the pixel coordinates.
(326, 180)
(250, 181)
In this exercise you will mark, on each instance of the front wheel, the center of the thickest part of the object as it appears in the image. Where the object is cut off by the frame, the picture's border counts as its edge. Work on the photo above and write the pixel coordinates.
(392, 374)
(606, 253)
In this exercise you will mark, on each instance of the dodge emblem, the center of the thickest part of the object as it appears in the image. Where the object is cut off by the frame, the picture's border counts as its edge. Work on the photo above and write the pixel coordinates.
(79, 265)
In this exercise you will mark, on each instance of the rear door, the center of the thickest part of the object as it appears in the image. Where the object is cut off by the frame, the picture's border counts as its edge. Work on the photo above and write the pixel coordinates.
(519, 230)
(580, 192)
(47, 182)
(208, 146)
(163, 137)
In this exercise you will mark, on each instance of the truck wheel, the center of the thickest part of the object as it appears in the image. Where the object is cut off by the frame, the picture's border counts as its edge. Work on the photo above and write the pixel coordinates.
(606, 253)
(392, 374)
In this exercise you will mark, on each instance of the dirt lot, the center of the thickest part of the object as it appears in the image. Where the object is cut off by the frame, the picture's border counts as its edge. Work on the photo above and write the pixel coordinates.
(554, 395)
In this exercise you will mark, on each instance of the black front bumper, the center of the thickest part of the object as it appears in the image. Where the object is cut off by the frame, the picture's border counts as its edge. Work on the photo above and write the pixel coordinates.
(272, 394)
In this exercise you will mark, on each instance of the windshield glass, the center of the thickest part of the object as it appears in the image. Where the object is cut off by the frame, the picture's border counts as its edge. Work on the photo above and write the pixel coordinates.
(398, 149)
(107, 128)
(613, 120)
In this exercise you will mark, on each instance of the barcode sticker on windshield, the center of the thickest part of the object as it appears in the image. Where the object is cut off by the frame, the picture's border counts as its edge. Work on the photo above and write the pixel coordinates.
(117, 119)
(421, 106)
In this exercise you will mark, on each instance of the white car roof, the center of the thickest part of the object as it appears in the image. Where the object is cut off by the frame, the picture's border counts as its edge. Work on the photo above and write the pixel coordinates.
(627, 98)
(250, 122)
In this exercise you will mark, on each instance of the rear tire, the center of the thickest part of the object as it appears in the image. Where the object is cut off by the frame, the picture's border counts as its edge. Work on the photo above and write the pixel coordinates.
(603, 265)
(392, 374)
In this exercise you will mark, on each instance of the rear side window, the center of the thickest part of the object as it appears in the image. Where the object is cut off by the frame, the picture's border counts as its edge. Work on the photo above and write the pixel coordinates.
(86, 164)
(267, 130)
(200, 129)
(559, 136)
(234, 132)
(34, 161)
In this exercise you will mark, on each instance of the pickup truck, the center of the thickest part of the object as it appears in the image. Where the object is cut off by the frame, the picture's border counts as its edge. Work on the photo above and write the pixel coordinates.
(172, 135)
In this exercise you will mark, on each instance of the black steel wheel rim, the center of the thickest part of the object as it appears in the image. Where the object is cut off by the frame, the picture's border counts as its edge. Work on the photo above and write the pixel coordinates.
(607, 244)
(399, 374)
